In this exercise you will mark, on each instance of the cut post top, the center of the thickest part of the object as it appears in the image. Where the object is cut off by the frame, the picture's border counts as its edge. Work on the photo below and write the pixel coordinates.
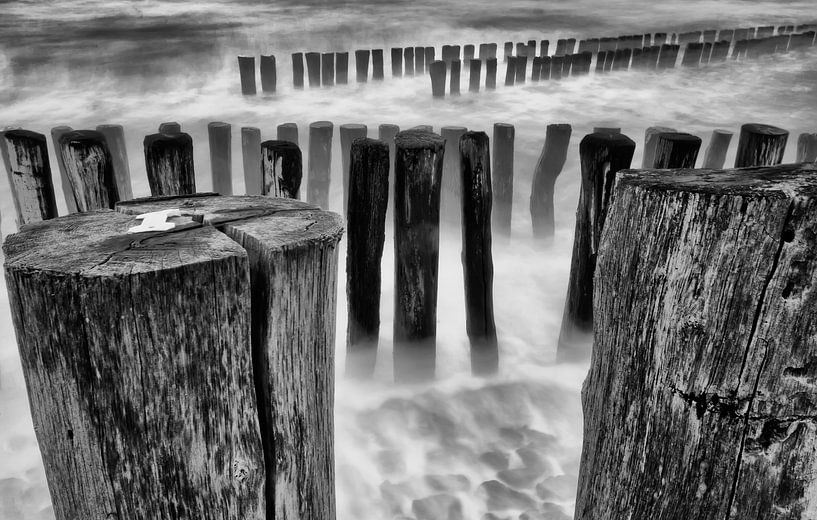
(607, 139)
(321, 124)
(419, 139)
(761, 129)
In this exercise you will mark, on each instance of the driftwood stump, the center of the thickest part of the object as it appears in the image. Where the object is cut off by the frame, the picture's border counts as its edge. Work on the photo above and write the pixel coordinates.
(700, 402)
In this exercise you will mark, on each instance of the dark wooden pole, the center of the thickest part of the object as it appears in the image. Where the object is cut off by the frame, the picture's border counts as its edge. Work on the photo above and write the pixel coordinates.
(362, 65)
(467, 52)
(602, 156)
(365, 221)
(715, 155)
(454, 88)
(408, 60)
(692, 55)
(313, 68)
(56, 133)
(718, 385)
(320, 162)
(282, 169)
(269, 74)
(474, 75)
(221, 156)
(490, 74)
(510, 71)
(650, 140)
(676, 150)
(419, 60)
(504, 134)
(521, 68)
(169, 164)
(477, 262)
(430, 55)
(396, 62)
(507, 51)
(437, 72)
(251, 160)
(377, 64)
(29, 175)
(418, 168)
(90, 169)
(246, 68)
(451, 191)
(342, 68)
(170, 128)
(386, 133)
(297, 70)
(544, 70)
(328, 69)
(548, 167)
(287, 132)
(556, 63)
(348, 134)
(760, 145)
(115, 140)
(807, 148)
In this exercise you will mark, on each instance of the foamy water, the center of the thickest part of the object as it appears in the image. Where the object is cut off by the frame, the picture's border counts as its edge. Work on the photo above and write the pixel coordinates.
(172, 60)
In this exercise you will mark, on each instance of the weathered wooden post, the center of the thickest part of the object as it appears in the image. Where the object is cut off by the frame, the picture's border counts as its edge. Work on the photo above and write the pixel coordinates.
(712, 379)
(544, 70)
(521, 68)
(430, 55)
(543, 48)
(467, 52)
(507, 50)
(650, 140)
(320, 162)
(602, 155)
(89, 168)
(556, 63)
(115, 140)
(251, 160)
(419, 60)
(474, 75)
(170, 128)
(535, 69)
(676, 150)
(408, 59)
(328, 69)
(386, 133)
(348, 134)
(760, 145)
(483, 52)
(490, 74)
(366, 221)
(246, 69)
(297, 70)
(269, 74)
(56, 133)
(313, 68)
(418, 167)
(504, 134)
(437, 71)
(715, 155)
(692, 55)
(601, 57)
(221, 156)
(341, 68)
(29, 174)
(510, 72)
(451, 191)
(282, 169)
(548, 167)
(396, 62)
(477, 261)
(287, 132)
(377, 64)
(454, 88)
(169, 164)
(807, 148)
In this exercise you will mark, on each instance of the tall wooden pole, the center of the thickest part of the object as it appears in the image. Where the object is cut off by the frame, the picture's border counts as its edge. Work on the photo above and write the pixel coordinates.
(298, 70)
(342, 68)
(348, 134)
(715, 155)
(386, 132)
(246, 69)
(269, 74)
(221, 156)
(251, 160)
(548, 167)
(504, 134)
(320, 163)
(56, 133)
(451, 191)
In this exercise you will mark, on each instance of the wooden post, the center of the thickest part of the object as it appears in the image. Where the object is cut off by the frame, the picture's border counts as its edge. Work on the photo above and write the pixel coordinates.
(418, 167)
(430, 56)
(115, 140)
(221, 156)
(328, 69)
(483, 52)
(492, 48)
(467, 52)
(556, 63)
(760, 145)
(169, 164)
(455, 52)
(170, 128)
(362, 65)
(288, 132)
(297, 70)
(386, 133)
(366, 221)
(474, 75)
(89, 168)
(715, 155)
(807, 148)
(676, 150)
(455, 78)
(536, 69)
(56, 133)
(543, 48)
(29, 174)
(313, 68)
(348, 134)
(447, 57)
(320, 162)
(437, 72)
(548, 167)
(510, 72)
(507, 51)
(282, 169)
(707, 52)
(269, 74)
(650, 141)
(717, 384)
(377, 64)
(544, 70)
(521, 68)
(251, 159)
(503, 178)
(451, 191)
(408, 58)
(490, 74)
(396, 62)
(477, 261)
(602, 155)
(692, 55)
(601, 57)
(246, 68)
(668, 56)
(419, 60)
(561, 43)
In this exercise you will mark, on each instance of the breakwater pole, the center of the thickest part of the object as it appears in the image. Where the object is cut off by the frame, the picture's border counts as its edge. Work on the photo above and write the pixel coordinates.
(246, 69)
(287, 132)
(386, 132)
(56, 133)
(807, 148)
(451, 191)
(650, 140)
(117, 407)
(320, 163)
(251, 160)
(602, 156)
(418, 168)
(366, 222)
(504, 135)
(269, 74)
(282, 168)
(477, 261)
(715, 155)
(115, 141)
(698, 399)
(25, 156)
(89, 168)
(548, 167)
(348, 134)
(676, 150)
(169, 164)
(760, 145)
(221, 156)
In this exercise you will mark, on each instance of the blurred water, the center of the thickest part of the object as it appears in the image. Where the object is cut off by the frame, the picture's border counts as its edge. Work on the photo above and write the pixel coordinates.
(139, 63)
